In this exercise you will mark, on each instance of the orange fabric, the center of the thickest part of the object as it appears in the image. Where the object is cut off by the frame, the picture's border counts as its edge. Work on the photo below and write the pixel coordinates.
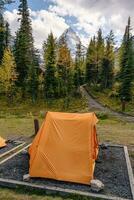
(2, 142)
(65, 148)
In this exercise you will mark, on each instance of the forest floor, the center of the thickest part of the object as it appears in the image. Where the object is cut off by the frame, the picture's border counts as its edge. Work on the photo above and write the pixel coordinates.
(17, 121)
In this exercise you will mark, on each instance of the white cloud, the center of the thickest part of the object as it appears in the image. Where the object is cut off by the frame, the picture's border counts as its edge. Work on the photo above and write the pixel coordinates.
(90, 15)
(93, 14)
(84, 40)
(43, 22)
(12, 19)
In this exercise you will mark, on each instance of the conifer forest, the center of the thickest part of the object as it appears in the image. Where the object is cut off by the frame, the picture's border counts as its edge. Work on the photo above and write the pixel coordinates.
(102, 67)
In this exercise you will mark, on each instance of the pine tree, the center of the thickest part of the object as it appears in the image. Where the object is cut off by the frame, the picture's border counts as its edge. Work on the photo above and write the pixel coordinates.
(50, 66)
(126, 65)
(4, 29)
(99, 53)
(91, 70)
(107, 73)
(7, 35)
(8, 74)
(64, 70)
(2, 37)
(33, 80)
(24, 50)
(78, 70)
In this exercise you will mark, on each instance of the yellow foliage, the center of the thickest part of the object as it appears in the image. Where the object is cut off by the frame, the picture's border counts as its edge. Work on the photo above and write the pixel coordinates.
(64, 57)
(8, 73)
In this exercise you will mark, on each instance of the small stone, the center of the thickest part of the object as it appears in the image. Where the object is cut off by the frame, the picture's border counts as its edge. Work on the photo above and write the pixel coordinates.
(26, 177)
(24, 152)
(98, 161)
(96, 185)
(17, 142)
(104, 146)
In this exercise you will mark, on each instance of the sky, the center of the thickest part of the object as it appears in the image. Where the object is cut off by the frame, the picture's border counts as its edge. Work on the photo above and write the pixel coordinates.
(84, 16)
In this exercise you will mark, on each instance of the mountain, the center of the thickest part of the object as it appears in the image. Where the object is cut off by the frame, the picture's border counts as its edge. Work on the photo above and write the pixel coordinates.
(72, 40)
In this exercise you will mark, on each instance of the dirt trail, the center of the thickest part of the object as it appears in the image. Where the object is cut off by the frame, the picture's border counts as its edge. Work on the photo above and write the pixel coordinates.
(94, 104)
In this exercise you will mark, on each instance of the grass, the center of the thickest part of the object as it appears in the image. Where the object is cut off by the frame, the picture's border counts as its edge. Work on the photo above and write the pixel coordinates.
(116, 131)
(28, 109)
(17, 121)
(19, 194)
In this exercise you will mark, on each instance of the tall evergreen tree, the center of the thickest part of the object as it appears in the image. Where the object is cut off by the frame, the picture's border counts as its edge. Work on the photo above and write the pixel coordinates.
(78, 69)
(107, 72)
(50, 66)
(64, 70)
(99, 53)
(126, 65)
(4, 28)
(7, 35)
(91, 70)
(2, 37)
(33, 77)
(24, 50)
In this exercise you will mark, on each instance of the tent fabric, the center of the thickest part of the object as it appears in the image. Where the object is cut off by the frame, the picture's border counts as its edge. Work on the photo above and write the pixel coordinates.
(2, 142)
(65, 148)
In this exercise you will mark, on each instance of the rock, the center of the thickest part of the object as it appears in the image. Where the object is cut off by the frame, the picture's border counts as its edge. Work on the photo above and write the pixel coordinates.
(96, 185)
(98, 161)
(104, 146)
(24, 152)
(26, 177)
(17, 142)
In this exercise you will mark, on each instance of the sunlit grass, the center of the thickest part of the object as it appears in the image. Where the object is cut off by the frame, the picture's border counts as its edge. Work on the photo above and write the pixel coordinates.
(115, 131)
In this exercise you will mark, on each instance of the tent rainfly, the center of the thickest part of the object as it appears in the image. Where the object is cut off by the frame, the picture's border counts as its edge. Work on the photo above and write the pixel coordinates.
(2, 142)
(65, 148)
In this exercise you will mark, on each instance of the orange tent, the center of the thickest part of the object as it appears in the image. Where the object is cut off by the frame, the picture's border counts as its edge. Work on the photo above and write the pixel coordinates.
(2, 142)
(65, 148)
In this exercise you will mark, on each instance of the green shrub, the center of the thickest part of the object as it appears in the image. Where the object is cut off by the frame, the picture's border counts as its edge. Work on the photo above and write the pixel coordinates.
(102, 115)
(113, 94)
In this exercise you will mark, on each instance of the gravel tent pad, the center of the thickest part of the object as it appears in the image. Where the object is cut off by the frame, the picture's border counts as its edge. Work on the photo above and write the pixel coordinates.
(11, 145)
(111, 169)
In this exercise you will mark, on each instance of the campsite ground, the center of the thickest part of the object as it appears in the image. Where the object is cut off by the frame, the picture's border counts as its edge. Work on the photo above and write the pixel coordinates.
(17, 121)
